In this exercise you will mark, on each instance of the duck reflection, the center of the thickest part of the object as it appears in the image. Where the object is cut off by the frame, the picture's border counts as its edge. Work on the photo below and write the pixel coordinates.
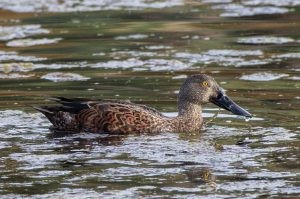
(84, 142)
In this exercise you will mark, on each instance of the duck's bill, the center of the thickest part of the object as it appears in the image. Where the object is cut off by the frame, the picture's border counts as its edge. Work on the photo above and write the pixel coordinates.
(225, 102)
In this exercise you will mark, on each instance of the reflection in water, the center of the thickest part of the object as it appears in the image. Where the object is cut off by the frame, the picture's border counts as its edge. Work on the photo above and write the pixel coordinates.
(201, 176)
(81, 141)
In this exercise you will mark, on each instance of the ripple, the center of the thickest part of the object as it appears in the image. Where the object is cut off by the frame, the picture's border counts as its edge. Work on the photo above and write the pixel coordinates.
(179, 77)
(253, 62)
(20, 31)
(131, 171)
(131, 63)
(27, 66)
(134, 192)
(125, 64)
(146, 61)
(13, 56)
(263, 76)
(167, 65)
(18, 124)
(288, 55)
(37, 161)
(158, 47)
(16, 67)
(172, 150)
(217, 1)
(265, 40)
(15, 76)
(20, 119)
(254, 185)
(272, 2)
(181, 189)
(51, 173)
(133, 53)
(134, 36)
(150, 64)
(238, 10)
(271, 175)
(31, 42)
(110, 161)
(84, 5)
(62, 77)
(4, 145)
(296, 78)
(225, 57)
(276, 134)
(136, 156)
(234, 53)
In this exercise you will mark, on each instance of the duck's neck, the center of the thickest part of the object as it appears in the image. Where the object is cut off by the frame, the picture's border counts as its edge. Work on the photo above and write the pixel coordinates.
(188, 110)
(189, 118)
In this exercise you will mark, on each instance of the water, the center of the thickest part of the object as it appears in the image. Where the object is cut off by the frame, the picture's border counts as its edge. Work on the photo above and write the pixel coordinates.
(142, 51)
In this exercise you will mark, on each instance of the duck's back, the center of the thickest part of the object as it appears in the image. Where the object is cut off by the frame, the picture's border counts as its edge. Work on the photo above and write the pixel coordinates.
(103, 116)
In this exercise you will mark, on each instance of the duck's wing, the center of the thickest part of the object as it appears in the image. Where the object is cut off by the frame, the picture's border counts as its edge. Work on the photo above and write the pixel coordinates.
(100, 116)
(75, 105)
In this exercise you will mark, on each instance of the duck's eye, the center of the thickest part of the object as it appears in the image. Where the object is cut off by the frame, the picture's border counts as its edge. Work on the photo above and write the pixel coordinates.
(205, 84)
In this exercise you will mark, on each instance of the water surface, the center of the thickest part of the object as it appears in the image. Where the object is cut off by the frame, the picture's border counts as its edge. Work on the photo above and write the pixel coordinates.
(142, 51)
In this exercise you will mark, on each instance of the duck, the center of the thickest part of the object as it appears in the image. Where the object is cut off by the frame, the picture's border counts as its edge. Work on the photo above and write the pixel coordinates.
(77, 115)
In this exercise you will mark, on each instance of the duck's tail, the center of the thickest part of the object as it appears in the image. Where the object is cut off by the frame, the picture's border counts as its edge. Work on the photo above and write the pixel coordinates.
(44, 109)
(61, 120)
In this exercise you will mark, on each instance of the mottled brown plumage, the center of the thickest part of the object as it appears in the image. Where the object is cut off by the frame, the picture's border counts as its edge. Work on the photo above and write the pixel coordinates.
(123, 117)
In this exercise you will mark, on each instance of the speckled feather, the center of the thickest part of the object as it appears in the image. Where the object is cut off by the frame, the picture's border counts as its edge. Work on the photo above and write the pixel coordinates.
(102, 116)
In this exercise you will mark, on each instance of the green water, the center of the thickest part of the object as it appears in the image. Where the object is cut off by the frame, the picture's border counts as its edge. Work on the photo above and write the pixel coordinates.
(143, 52)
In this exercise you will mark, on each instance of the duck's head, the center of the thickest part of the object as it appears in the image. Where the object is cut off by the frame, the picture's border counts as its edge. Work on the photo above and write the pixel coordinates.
(201, 89)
